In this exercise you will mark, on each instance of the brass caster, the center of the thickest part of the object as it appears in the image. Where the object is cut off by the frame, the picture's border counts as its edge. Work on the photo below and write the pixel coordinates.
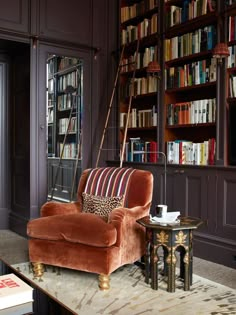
(104, 282)
(38, 270)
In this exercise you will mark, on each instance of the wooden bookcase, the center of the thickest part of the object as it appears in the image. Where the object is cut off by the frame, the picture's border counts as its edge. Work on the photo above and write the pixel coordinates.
(195, 188)
(190, 83)
(183, 97)
(64, 108)
(139, 34)
(230, 38)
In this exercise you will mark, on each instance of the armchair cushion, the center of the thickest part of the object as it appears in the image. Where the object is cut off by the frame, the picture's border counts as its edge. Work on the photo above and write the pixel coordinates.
(100, 205)
(83, 228)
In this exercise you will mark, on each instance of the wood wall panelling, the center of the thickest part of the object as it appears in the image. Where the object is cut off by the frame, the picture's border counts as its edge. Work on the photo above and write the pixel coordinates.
(14, 15)
(4, 152)
(66, 20)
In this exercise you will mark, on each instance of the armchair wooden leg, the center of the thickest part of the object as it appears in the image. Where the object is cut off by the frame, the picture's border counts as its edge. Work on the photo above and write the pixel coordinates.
(104, 282)
(38, 270)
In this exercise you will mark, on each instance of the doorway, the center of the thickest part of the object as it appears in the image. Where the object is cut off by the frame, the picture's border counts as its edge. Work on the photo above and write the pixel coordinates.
(14, 133)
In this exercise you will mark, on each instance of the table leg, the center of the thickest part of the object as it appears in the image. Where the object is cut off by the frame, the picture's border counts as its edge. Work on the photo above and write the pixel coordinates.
(191, 256)
(187, 276)
(154, 269)
(171, 262)
(147, 262)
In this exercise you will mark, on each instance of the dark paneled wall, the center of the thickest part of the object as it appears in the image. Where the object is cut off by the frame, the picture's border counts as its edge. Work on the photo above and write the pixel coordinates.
(4, 140)
(84, 29)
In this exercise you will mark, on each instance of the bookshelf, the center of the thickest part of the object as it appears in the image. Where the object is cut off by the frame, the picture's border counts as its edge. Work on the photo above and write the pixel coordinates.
(64, 123)
(190, 82)
(178, 110)
(230, 20)
(139, 33)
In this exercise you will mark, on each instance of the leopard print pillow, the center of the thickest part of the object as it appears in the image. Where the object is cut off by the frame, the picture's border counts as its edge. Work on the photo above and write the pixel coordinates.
(100, 205)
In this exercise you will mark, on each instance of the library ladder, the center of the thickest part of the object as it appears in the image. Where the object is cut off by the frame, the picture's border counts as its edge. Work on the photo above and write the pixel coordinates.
(120, 66)
(70, 90)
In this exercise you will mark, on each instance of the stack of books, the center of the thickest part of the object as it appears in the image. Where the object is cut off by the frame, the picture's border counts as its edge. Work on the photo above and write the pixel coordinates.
(16, 297)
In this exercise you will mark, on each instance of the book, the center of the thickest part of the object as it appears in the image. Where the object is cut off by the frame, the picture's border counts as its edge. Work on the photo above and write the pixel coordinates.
(14, 291)
(25, 308)
(169, 217)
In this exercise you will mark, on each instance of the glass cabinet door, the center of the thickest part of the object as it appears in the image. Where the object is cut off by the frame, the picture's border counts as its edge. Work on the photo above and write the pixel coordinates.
(64, 125)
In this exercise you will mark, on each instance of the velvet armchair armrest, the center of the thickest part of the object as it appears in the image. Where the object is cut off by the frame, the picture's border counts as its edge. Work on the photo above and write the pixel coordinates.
(57, 208)
(124, 219)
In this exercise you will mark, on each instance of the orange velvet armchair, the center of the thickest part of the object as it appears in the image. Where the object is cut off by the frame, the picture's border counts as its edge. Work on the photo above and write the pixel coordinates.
(83, 235)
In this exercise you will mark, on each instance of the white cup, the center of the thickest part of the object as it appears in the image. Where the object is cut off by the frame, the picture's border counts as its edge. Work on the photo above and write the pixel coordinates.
(161, 211)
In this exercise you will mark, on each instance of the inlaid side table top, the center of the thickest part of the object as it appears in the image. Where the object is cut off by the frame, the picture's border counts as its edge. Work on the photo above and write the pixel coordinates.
(185, 223)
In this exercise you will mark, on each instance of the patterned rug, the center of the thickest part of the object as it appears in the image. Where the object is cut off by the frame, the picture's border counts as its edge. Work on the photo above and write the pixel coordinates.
(130, 295)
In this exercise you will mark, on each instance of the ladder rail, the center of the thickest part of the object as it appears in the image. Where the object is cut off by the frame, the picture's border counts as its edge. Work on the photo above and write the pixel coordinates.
(110, 107)
(63, 147)
(129, 107)
(76, 167)
(111, 103)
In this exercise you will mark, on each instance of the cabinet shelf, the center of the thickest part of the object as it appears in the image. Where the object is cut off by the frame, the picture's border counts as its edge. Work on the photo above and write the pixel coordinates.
(186, 59)
(232, 43)
(191, 25)
(199, 125)
(66, 70)
(231, 100)
(146, 41)
(177, 3)
(231, 10)
(141, 97)
(139, 73)
(192, 87)
(140, 129)
(231, 70)
(71, 133)
(66, 110)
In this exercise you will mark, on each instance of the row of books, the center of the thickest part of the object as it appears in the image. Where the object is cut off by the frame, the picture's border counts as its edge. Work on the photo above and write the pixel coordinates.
(67, 62)
(52, 65)
(232, 86)
(56, 64)
(143, 29)
(141, 118)
(63, 125)
(231, 60)
(191, 153)
(139, 150)
(140, 86)
(194, 112)
(70, 150)
(51, 85)
(51, 99)
(129, 12)
(198, 72)
(50, 115)
(190, 10)
(202, 39)
(143, 58)
(65, 101)
(67, 80)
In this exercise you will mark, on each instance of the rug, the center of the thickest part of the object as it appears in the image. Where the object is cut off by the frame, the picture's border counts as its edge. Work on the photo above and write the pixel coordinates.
(13, 247)
(130, 295)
